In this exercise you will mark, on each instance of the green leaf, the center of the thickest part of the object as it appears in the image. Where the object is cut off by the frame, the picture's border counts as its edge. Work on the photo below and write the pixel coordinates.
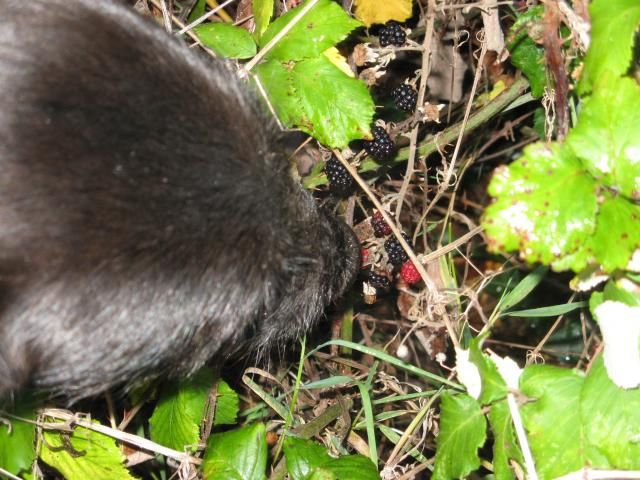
(322, 27)
(176, 419)
(227, 405)
(524, 288)
(551, 311)
(607, 136)
(462, 432)
(305, 95)
(555, 431)
(526, 55)
(493, 385)
(535, 209)
(262, 12)
(227, 40)
(600, 419)
(612, 28)
(612, 419)
(17, 451)
(93, 456)
(237, 455)
(306, 460)
(505, 448)
(197, 11)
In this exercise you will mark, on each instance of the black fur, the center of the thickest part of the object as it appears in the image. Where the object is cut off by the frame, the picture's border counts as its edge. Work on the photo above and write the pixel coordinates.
(147, 220)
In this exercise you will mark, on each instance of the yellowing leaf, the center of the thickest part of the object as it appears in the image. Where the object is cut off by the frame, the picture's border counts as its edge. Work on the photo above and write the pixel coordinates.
(334, 56)
(375, 11)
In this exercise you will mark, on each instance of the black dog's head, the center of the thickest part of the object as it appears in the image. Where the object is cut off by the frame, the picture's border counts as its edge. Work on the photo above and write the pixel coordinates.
(147, 222)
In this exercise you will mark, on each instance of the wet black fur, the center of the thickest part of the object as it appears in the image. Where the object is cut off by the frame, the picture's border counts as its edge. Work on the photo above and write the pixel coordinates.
(147, 220)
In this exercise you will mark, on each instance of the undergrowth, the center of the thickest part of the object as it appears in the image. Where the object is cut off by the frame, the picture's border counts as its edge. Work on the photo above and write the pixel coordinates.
(502, 339)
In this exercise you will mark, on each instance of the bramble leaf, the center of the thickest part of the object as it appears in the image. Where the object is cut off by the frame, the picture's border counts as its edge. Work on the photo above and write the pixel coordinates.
(612, 29)
(227, 40)
(176, 419)
(535, 209)
(87, 454)
(237, 455)
(607, 138)
(600, 419)
(305, 95)
(526, 55)
(463, 430)
(322, 27)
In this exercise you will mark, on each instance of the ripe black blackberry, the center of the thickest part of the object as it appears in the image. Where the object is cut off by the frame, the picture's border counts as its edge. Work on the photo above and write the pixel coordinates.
(381, 147)
(397, 255)
(381, 283)
(405, 97)
(392, 33)
(340, 180)
(380, 227)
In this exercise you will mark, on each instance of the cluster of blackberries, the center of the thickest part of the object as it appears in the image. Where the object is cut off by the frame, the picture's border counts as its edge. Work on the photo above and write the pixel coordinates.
(397, 255)
(405, 97)
(341, 182)
(380, 227)
(392, 33)
(381, 147)
(380, 282)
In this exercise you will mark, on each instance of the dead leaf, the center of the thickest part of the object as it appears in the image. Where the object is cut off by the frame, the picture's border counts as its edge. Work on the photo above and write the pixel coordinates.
(375, 11)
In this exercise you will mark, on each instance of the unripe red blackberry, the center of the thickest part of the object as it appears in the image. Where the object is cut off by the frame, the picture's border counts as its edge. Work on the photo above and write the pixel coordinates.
(409, 273)
(397, 255)
(405, 97)
(392, 33)
(380, 227)
(340, 180)
(381, 147)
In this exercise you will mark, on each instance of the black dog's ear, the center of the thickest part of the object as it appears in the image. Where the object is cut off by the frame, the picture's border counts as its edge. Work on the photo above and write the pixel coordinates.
(149, 218)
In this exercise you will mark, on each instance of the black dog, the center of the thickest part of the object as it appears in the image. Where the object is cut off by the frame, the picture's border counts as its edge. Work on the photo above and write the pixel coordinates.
(148, 221)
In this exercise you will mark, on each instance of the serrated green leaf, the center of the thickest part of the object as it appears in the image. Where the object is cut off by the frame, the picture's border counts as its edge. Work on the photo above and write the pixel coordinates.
(601, 420)
(535, 209)
(607, 136)
(306, 459)
(262, 12)
(505, 448)
(493, 385)
(95, 456)
(237, 455)
(529, 58)
(553, 422)
(611, 421)
(17, 451)
(227, 40)
(617, 234)
(176, 419)
(322, 27)
(613, 23)
(462, 432)
(305, 95)
(227, 405)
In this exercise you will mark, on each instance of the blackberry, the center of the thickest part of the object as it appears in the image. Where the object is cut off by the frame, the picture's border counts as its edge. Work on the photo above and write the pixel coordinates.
(409, 273)
(397, 255)
(381, 283)
(405, 97)
(380, 227)
(392, 33)
(340, 181)
(381, 147)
